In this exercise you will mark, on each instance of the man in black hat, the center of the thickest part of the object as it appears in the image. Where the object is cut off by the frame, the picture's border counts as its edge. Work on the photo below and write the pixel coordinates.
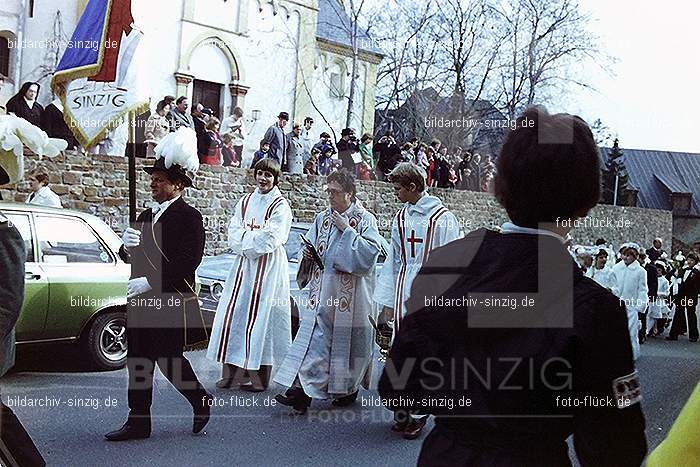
(277, 140)
(347, 146)
(164, 250)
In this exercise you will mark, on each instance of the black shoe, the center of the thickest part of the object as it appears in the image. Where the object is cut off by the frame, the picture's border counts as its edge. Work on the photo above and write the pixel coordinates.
(201, 414)
(669, 338)
(693, 340)
(131, 430)
(415, 426)
(345, 400)
(295, 398)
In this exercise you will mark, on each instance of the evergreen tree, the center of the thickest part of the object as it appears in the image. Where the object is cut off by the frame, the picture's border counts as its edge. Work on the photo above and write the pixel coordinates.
(615, 166)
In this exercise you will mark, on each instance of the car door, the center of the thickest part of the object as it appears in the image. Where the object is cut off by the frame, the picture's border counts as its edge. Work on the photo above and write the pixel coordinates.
(32, 319)
(81, 272)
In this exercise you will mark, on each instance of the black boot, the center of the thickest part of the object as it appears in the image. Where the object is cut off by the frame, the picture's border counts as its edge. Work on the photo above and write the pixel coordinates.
(345, 400)
(259, 380)
(136, 427)
(295, 398)
(201, 413)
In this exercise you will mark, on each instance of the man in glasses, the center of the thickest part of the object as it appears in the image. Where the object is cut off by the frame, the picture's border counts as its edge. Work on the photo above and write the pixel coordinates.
(331, 354)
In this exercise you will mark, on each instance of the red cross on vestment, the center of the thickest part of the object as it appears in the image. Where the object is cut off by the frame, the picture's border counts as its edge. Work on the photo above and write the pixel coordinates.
(252, 224)
(413, 240)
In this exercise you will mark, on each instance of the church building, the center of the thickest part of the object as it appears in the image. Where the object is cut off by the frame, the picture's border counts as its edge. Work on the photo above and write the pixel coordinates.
(265, 56)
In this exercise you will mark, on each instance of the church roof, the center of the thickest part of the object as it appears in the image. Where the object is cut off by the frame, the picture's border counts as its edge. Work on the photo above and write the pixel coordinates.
(334, 25)
(659, 174)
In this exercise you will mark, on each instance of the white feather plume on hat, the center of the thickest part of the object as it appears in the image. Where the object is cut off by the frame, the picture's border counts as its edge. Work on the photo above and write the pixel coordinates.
(180, 148)
(15, 133)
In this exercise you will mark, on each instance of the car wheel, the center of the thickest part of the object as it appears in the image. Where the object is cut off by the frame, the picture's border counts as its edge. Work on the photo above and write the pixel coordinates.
(107, 341)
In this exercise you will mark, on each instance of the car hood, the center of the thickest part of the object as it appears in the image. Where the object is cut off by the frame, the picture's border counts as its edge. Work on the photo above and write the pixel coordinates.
(216, 267)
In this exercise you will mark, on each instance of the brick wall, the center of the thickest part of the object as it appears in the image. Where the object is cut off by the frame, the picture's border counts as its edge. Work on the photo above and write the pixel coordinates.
(98, 185)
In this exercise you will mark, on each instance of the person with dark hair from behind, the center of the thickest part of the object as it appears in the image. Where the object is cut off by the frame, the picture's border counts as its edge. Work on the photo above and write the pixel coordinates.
(505, 338)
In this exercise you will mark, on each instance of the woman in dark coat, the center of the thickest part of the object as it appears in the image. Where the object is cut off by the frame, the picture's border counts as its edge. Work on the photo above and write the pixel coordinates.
(54, 125)
(24, 104)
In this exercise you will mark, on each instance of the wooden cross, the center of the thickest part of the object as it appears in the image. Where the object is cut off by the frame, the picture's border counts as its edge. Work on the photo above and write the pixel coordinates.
(252, 224)
(413, 240)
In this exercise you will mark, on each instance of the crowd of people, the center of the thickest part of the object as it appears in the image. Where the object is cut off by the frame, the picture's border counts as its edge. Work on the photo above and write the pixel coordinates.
(221, 142)
(614, 307)
(659, 291)
(297, 151)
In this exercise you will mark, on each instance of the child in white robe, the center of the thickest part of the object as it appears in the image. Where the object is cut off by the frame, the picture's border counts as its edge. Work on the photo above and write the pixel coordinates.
(602, 272)
(421, 225)
(252, 325)
(658, 309)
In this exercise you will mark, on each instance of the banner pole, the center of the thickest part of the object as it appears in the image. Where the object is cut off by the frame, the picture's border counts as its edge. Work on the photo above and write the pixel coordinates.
(132, 168)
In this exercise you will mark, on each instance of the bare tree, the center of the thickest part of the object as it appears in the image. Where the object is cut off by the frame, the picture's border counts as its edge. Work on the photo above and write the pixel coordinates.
(404, 31)
(543, 39)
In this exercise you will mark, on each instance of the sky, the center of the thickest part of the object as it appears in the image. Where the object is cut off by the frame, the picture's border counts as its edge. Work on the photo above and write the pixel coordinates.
(653, 99)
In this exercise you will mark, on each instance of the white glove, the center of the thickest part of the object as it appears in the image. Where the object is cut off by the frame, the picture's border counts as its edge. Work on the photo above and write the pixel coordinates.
(131, 238)
(137, 287)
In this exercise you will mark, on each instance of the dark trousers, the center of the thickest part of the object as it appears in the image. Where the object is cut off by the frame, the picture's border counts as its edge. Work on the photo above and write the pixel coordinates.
(642, 332)
(162, 347)
(678, 323)
(16, 446)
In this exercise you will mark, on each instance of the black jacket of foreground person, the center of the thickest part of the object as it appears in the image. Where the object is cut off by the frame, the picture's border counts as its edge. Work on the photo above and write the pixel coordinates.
(505, 394)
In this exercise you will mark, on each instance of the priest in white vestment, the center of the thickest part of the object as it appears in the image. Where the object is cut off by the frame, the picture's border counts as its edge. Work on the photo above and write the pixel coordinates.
(331, 354)
(420, 226)
(252, 326)
(631, 280)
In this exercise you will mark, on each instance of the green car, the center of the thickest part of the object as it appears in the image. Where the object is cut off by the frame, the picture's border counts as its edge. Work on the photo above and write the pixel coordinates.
(75, 282)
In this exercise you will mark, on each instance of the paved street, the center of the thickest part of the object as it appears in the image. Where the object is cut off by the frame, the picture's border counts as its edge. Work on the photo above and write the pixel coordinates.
(70, 433)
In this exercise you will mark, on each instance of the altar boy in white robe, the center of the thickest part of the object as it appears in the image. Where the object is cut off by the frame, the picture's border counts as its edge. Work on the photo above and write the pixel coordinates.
(331, 353)
(420, 226)
(631, 280)
(252, 326)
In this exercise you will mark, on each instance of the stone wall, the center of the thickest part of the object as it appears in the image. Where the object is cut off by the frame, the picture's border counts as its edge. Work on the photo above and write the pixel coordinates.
(98, 184)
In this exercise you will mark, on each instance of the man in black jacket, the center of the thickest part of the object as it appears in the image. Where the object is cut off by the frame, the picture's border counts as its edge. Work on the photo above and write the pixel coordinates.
(686, 300)
(16, 446)
(347, 146)
(164, 250)
(506, 342)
